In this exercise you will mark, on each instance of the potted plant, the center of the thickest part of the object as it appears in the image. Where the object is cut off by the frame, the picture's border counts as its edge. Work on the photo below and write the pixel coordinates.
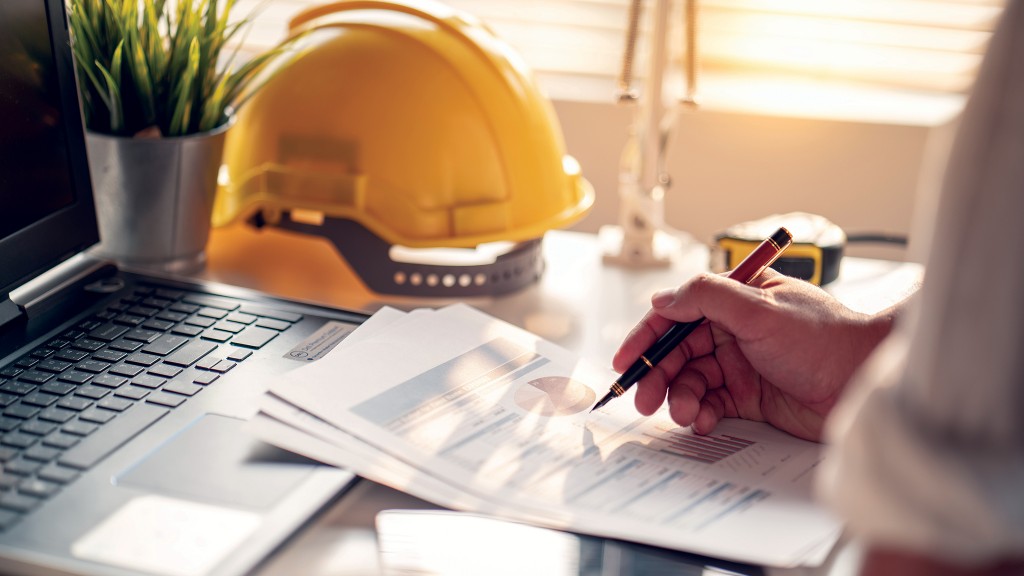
(158, 87)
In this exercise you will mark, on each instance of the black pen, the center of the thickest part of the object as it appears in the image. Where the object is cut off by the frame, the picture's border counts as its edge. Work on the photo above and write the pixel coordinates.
(751, 267)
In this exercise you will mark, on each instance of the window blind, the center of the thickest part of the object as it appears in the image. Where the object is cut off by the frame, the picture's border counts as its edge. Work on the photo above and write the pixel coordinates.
(844, 58)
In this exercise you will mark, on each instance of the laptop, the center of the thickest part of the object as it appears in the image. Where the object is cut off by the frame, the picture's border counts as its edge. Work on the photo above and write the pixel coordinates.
(124, 395)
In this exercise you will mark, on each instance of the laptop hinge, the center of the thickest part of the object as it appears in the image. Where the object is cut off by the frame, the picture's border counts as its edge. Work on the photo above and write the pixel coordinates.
(33, 296)
(9, 312)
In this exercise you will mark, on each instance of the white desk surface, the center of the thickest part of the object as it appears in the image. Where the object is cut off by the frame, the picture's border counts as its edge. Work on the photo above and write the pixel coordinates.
(579, 303)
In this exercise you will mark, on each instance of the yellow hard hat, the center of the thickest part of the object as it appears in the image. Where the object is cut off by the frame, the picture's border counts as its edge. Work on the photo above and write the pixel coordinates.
(409, 119)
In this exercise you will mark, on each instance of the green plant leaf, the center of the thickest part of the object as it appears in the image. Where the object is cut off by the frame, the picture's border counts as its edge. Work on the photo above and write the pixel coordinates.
(183, 96)
(154, 62)
(114, 97)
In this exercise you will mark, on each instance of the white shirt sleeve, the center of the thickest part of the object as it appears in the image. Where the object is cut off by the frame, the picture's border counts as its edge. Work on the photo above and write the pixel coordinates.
(928, 444)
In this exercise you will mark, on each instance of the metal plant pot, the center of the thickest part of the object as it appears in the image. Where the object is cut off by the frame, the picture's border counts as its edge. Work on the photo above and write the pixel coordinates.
(154, 197)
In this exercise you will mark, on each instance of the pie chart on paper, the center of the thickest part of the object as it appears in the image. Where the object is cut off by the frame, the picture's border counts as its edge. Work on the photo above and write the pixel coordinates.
(554, 396)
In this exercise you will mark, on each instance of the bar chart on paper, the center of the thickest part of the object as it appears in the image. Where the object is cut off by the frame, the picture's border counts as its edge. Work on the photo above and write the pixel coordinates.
(706, 449)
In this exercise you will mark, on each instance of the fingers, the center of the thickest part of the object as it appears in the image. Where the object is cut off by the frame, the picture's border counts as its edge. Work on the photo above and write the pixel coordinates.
(690, 388)
(639, 339)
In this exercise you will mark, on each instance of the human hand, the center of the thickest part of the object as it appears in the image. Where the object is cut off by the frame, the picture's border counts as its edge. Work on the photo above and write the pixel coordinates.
(778, 350)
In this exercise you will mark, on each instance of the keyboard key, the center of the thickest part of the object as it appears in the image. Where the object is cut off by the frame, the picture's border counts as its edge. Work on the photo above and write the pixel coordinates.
(88, 344)
(38, 427)
(214, 313)
(38, 488)
(109, 381)
(58, 343)
(58, 388)
(148, 381)
(10, 371)
(94, 366)
(165, 370)
(183, 308)
(223, 366)
(254, 337)
(132, 392)
(128, 370)
(35, 376)
(59, 474)
(108, 332)
(183, 388)
(227, 326)
(43, 353)
(208, 362)
(61, 440)
(127, 319)
(18, 440)
(140, 310)
(89, 325)
(71, 355)
(118, 432)
(142, 335)
(26, 362)
(217, 335)
(200, 321)
(79, 428)
(109, 355)
(241, 318)
(157, 302)
(8, 423)
(75, 403)
(96, 416)
(273, 324)
(143, 359)
(18, 502)
(165, 399)
(186, 330)
(87, 391)
(75, 377)
(19, 388)
(42, 453)
(170, 316)
(206, 378)
(7, 454)
(115, 404)
(158, 325)
(22, 467)
(52, 365)
(126, 345)
(21, 411)
(7, 399)
(165, 344)
(56, 414)
(40, 399)
(190, 353)
(239, 354)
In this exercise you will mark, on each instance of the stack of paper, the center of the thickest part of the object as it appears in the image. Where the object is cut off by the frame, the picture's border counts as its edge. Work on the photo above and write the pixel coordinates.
(471, 413)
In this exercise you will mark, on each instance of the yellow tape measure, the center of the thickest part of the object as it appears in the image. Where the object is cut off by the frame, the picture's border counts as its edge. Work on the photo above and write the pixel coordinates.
(815, 254)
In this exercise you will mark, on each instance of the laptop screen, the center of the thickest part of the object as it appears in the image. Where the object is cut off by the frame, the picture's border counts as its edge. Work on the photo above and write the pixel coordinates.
(46, 208)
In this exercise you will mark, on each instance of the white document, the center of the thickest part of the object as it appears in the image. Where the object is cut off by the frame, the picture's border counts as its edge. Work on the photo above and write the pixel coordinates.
(472, 413)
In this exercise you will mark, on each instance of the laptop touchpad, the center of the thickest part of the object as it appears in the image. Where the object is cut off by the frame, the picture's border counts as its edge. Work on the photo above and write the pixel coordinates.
(215, 460)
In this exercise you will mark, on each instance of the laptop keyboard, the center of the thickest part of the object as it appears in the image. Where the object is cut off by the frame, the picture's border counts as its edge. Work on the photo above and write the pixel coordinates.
(71, 402)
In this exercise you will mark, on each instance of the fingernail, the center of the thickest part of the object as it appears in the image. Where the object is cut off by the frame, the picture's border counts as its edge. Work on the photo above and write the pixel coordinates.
(663, 298)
